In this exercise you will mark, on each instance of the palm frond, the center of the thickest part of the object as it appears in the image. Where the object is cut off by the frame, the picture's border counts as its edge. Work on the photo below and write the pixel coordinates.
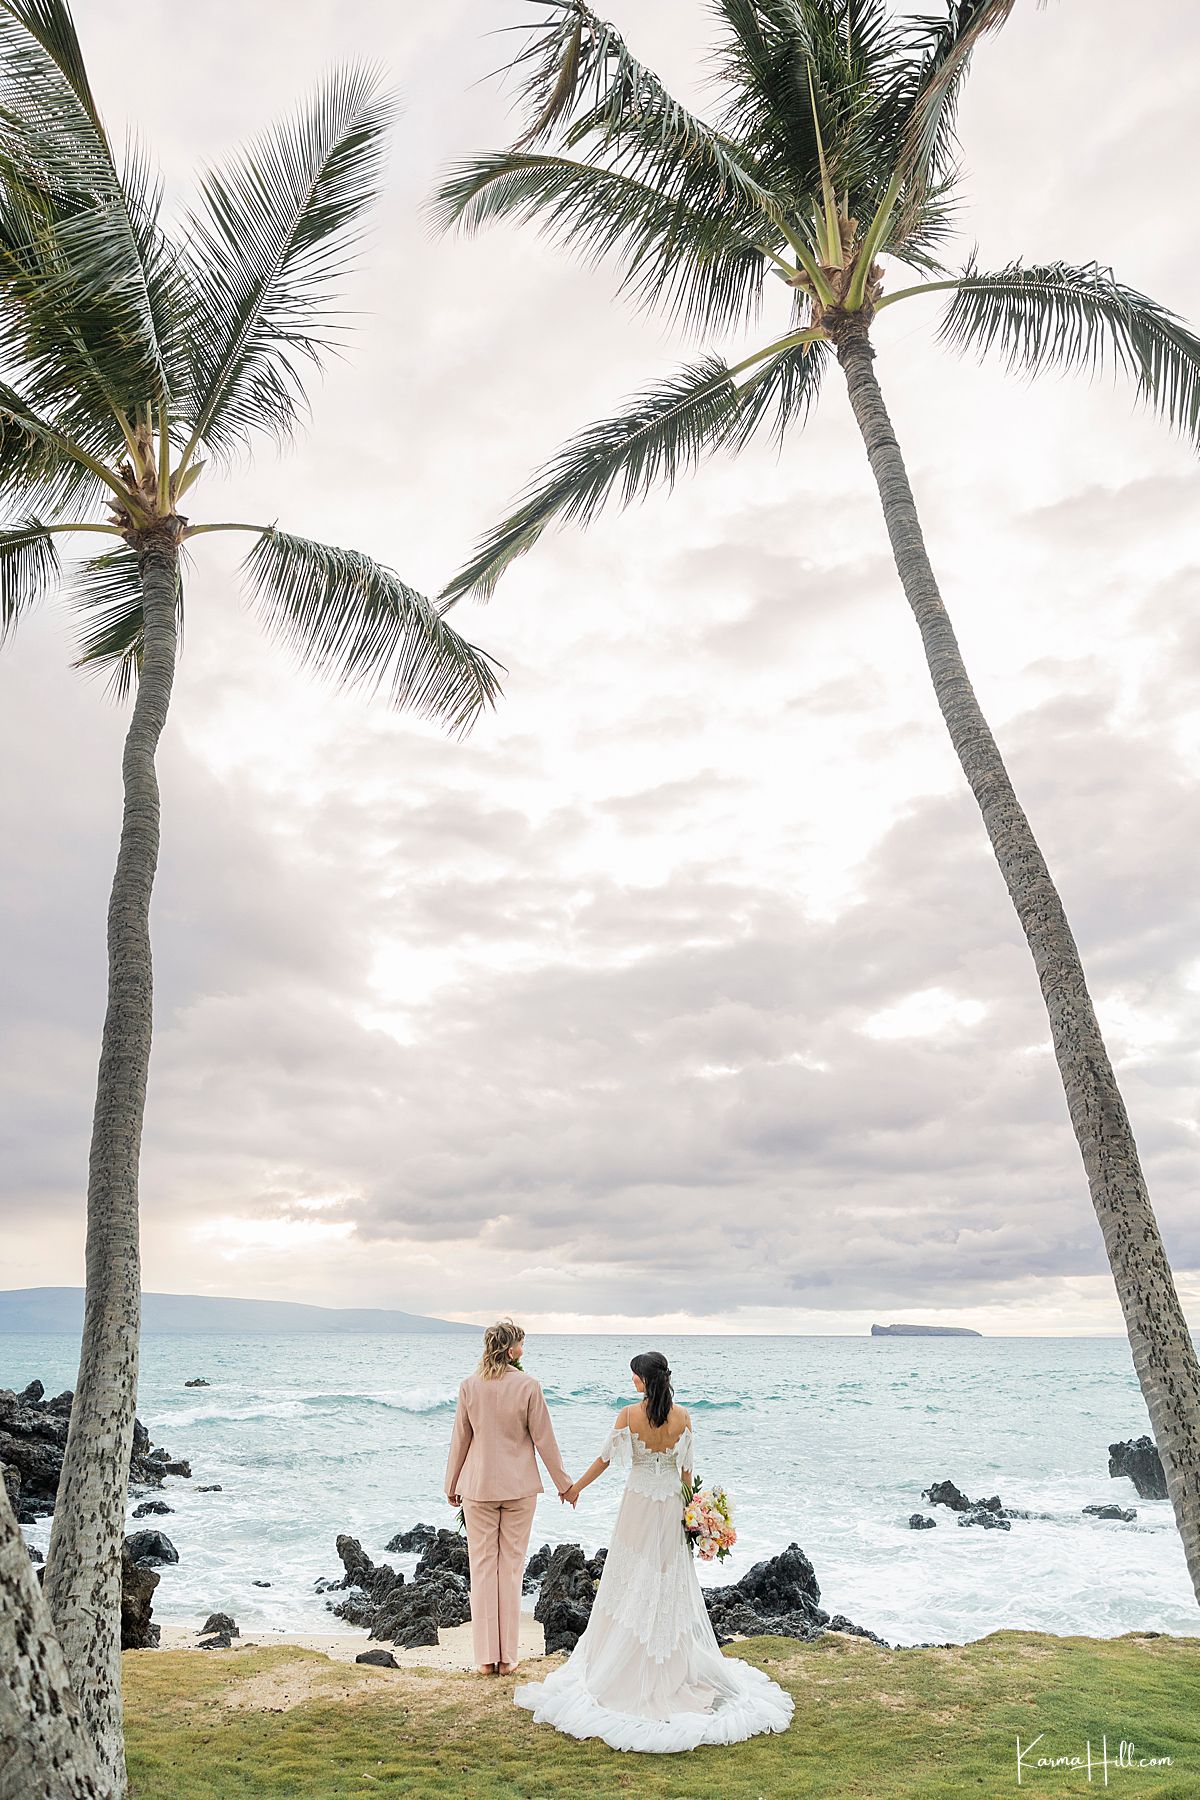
(579, 80)
(924, 102)
(28, 564)
(29, 446)
(925, 219)
(37, 466)
(50, 24)
(787, 386)
(85, 268)
(106, 591)
(772, 51)
(696, 266)
(278, 226)
(1079, 318)
(356, 622)
(658, 435)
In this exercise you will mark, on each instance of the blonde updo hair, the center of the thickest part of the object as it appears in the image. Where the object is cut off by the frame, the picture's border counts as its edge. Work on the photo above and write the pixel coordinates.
(498, 1340)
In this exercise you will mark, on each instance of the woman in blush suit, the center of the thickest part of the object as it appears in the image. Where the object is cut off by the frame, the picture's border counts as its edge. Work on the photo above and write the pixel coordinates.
(492, 1474)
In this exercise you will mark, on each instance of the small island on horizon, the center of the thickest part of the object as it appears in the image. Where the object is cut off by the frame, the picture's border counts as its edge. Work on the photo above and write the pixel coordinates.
(923, 1331)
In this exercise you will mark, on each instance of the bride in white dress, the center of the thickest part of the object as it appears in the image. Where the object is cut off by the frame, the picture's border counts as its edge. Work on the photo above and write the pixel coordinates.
(648, 1673)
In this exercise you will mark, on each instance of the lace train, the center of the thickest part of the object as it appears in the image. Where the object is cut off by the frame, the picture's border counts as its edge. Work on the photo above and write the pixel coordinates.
(753, 1705)
(648, 1673)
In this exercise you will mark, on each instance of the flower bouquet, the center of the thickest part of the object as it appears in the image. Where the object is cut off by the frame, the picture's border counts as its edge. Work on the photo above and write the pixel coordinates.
(707, 1521)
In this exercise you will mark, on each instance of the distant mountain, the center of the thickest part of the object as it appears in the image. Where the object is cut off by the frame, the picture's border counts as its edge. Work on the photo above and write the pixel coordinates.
(923, 1331)
(61, 1309)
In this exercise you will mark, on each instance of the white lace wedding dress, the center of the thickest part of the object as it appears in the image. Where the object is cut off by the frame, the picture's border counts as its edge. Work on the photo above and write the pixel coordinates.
(648, 1673)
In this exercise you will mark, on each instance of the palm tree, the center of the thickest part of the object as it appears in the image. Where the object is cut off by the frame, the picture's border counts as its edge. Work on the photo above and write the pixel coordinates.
(132, 356)
(836, 147)
(45, 1751)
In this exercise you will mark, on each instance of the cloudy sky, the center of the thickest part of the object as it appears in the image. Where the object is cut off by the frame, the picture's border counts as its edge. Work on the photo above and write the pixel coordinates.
(686, 990)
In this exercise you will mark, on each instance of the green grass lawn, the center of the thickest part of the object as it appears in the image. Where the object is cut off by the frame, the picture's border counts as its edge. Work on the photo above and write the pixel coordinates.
(880, 1724)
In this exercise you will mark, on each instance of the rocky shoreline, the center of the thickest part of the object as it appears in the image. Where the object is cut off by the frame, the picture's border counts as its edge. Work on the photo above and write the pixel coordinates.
(779, 1596)
(33, 1441)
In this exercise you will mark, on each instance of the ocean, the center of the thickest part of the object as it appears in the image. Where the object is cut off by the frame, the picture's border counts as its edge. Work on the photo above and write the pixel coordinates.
(825, 1442)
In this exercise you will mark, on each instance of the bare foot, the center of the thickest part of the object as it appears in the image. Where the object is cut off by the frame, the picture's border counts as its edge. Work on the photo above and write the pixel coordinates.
(509, 1668)
(486, 1669)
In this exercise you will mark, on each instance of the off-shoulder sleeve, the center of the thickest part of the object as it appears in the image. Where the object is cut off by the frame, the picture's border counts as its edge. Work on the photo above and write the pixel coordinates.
(617, 1447)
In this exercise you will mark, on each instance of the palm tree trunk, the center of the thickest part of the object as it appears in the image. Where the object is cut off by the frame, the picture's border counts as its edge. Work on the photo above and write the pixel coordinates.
(83, 1569)
(45, 1753)
(1164, 1354)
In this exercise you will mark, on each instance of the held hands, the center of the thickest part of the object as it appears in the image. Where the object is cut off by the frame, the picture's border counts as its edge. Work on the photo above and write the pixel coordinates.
(570, 1495)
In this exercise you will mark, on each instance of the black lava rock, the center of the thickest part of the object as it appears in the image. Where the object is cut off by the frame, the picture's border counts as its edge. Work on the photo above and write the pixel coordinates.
(783, 1583)
(944, 1493)
(1125, 1514)
(731, 1618)
(402, 1612)
(378, 1659)
(535, 1568)
(151, 1508)
(356, 1608)
(989, 1513)
(1136, 1458)
(216, 1488)
(32, 1441)
(917, 1522)
(779, 1597)
(415, 1538)
(451, 1595)
(197, 1381)
(33, 1437)
(446, 1550)
(564, 1605)
(221, 1623)
(375, 1582)
(408, 1616)
(149, 1548)
(138, 1583)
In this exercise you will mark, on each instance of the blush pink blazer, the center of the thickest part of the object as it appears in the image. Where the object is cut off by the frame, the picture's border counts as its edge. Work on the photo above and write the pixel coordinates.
(497, 1427)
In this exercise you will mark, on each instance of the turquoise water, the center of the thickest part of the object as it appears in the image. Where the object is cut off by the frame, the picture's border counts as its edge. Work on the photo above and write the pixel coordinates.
(826, 1442)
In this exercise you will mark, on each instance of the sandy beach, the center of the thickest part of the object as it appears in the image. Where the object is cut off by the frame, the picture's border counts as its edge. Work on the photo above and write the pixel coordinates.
(452, 1653)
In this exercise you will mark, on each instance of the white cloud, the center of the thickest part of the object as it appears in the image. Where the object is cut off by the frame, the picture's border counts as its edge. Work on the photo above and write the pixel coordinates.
(686, 989)
(924, 1014)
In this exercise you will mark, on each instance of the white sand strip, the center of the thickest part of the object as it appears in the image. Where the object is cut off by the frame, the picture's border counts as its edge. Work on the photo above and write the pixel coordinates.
(453, 1652)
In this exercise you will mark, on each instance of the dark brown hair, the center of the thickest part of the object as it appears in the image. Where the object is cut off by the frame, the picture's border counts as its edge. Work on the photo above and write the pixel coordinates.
(652, 1368)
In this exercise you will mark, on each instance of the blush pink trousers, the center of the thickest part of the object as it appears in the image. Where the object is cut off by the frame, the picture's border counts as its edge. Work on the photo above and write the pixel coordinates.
(497, 1539)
